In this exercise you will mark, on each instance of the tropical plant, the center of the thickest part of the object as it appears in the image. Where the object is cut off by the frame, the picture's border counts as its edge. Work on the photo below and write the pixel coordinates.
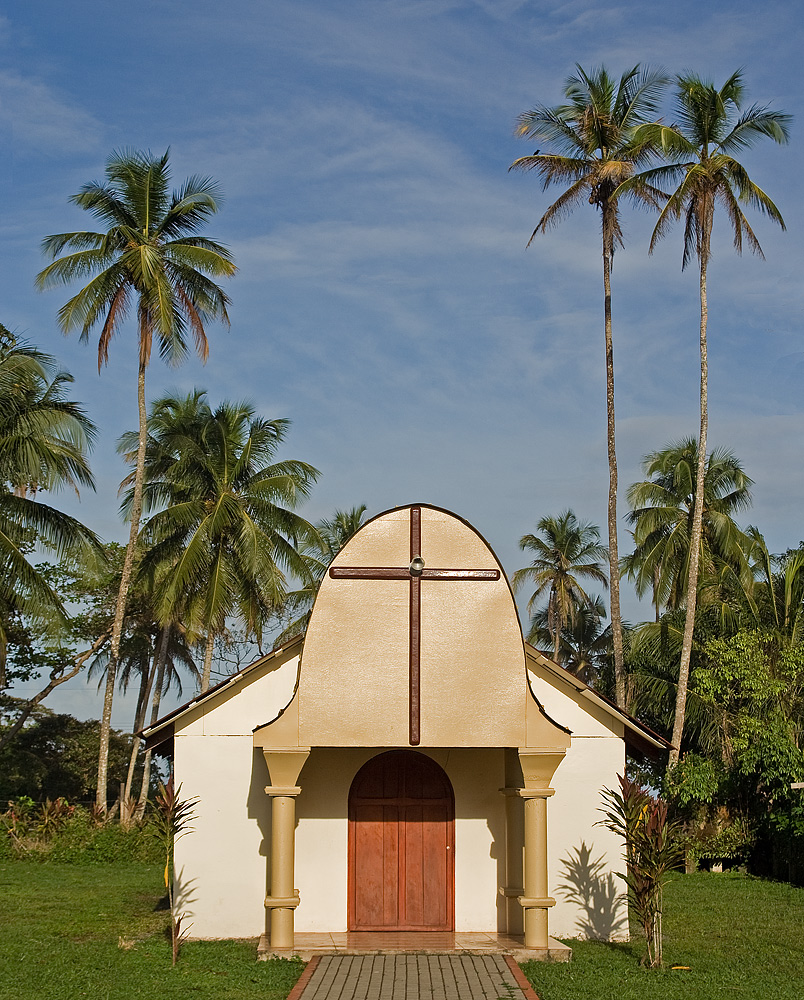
(662, 511)
(711, 128)
(172, 820)
(44, 439)
(569, 549)
(333, 533)
(597, 147)
(227, 528)
(653, 848)
(151, 256)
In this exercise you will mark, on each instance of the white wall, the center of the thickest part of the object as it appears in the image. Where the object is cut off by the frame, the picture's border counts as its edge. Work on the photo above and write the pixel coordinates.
(221, 865)
(583, 856)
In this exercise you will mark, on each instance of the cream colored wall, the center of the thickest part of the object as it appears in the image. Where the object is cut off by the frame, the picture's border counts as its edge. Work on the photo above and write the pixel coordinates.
(595, 758)
(568, 707)
(576, 843)
(221, 865)
(355, 664)
(322, 835)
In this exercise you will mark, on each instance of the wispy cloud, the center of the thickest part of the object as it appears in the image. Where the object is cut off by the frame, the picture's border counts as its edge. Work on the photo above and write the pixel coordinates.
(37, 117)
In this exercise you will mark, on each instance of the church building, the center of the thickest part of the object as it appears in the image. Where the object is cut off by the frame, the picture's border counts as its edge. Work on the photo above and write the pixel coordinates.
(408, 767)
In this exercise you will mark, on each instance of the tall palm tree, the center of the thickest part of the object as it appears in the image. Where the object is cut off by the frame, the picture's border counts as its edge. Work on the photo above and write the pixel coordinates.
(596, 150)
(150, 256)
(44, 439)
(333, 533)
(663, 507)
(701, 146)
(568, 550)
(227, 527)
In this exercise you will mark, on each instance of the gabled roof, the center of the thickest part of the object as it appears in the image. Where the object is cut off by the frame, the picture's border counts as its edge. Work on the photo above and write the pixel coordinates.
(162, 730)
(638, 737)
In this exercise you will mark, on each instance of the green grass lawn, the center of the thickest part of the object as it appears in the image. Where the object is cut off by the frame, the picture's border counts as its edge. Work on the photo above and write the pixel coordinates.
(75, 931)
(740, 936)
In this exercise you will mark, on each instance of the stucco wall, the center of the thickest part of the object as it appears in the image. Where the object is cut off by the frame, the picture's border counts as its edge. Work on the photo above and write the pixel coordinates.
(220, 865)
(223, 868)
(582, 856)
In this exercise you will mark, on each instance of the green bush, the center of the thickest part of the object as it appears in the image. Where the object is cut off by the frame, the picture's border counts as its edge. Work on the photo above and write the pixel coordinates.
(76, 839)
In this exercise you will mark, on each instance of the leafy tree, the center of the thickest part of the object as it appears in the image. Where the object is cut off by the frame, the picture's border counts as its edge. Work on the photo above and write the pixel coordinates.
(150, 255)
(598, 149)
(662, 510)
(710, 129)
(56, 755)
(227, 528)
(44, 439)
(569, 549)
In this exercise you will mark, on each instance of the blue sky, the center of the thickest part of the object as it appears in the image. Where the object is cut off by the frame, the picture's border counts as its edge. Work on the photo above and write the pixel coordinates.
(385, 301)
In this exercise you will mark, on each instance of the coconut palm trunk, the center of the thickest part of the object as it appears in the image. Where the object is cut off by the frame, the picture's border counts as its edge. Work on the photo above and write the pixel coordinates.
(697, 512)
(146, 684)
(208, 660)
(159, 666)
(125, 581)
(614, 558)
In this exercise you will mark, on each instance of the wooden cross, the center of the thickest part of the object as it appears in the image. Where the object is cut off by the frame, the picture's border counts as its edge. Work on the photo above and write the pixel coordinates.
(414, 573)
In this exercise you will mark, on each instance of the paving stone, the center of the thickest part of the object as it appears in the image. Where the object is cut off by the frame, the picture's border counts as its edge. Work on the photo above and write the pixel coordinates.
(412, 977)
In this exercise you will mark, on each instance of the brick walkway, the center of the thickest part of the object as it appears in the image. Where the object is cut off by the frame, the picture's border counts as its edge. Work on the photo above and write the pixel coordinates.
(412, 977)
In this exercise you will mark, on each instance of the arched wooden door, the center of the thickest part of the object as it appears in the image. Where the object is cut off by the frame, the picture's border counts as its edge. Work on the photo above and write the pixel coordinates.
(401, 845)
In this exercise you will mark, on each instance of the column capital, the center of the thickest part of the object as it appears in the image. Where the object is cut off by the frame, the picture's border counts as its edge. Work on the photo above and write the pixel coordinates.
(284, 767)
(535, 793)
(539, 765)
(284, 790)
(540, 902)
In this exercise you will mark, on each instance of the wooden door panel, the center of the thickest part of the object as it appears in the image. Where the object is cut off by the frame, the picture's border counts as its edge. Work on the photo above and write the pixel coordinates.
(401, 845)
(376, 848)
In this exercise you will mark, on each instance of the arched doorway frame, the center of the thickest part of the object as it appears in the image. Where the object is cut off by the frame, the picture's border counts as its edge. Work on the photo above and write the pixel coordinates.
(439, 838)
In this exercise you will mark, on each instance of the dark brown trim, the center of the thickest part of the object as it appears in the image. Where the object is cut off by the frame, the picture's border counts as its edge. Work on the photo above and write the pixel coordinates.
(304, 978)
(162, 735)
(415, 645)
(522, 980)
(403, 573)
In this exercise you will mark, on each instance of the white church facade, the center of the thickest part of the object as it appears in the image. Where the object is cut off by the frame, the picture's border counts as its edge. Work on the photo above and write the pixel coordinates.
(409, 766)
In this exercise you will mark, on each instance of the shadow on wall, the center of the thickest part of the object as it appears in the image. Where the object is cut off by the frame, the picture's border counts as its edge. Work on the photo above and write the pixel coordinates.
(594, 889)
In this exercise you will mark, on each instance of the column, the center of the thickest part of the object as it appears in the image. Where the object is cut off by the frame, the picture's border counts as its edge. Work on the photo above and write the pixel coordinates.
(284, 767)
(538, 767)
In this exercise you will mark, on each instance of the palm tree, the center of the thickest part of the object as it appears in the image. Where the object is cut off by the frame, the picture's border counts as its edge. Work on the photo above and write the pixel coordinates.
(150, 255)
(596, 150)
(585, 640)
(333, 533)
(44, 439)
(777, 601)
(569, 549)
(710, 129)
(663, 507)
(228, 528)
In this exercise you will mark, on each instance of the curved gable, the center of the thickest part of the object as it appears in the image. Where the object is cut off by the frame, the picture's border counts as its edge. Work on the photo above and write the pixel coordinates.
(355, 673)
